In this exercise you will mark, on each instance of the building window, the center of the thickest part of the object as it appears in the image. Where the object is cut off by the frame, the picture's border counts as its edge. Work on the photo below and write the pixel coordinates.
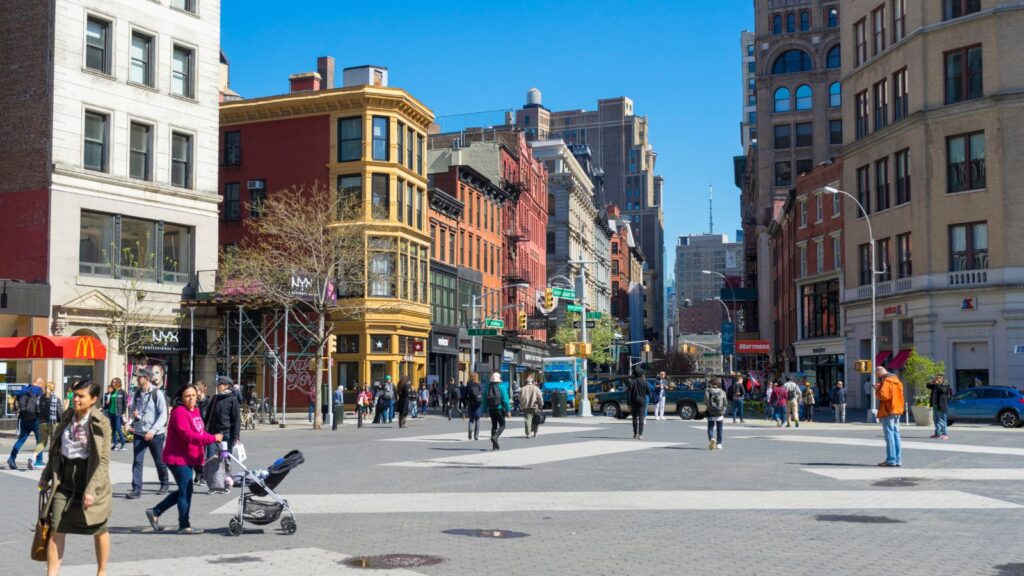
(380, 197)
(819, 256)
(833, 60)
(835, 131)
(381, 273)
(751, 67)
(805, 21)
(140, 159)
(177, 253)
(409, 142)
(837, 205)
(882, 185)
(957, 8)
(837, 252)
(136, 248)
(182, 72)
(861, 111)
(819, 210)
(832, 16)
(804, 166)
(790, 22)
(782, 100)
(752, 100)
(777, 24)
(819, 307)
(792, 61)
(551, 242)
(141, 70)
(350, 139)
(968, 247)
(963, 74)
(400, 148)
(96, 246)
(419, 209)
(751, 84)
(881, 105)
(751, 118)
(803, 260)
(181, 160)
(803, 214)
(904, 264)
(257, 197)
(804, 97)
(451, 248)
(804, 134)
(864, 276)
(906, 332)
(899, 20)
(419, 154)
(350, 196)
(232, 201)
(783, 174)
(902, 161)
(97, 141)
(750, 49)
(782, 137)
(380, 138)
(97, 45)
(861, 39)
(863, 190)
(965, 162)
(878, 29)
(186, 5)
(884, 269)
(233, 148)
(408, 204)
(900, 101)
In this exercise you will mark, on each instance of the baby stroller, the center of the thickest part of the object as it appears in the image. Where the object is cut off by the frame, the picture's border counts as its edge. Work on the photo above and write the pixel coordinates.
(261, 483)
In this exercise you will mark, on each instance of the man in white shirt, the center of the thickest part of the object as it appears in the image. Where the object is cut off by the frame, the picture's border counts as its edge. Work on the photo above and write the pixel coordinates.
(792, 402)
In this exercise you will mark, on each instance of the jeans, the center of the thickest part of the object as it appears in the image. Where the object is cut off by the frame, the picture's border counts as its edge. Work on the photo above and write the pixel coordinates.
(473, 424)
(413, 407)
(941, 420)
(891, 430)
(497, 423)
(809, 412)
(659, 408)
(639, 414)
(116, 431)
(391, 410)
(25, 427)
(312, 410)
(156, 450)
(840, 410)
(714, 424)
(780, 413)
(182, 496)
(737, 406)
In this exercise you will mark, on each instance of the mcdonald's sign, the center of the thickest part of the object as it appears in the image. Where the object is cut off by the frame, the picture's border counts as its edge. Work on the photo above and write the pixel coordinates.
(38, 347)
(85, 348)
(35, 347)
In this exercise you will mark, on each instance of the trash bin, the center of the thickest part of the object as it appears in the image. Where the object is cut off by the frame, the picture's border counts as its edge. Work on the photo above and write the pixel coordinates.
(558, 403)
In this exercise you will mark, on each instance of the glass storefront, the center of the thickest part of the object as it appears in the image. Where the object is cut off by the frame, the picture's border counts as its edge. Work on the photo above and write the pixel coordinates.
(824, 370)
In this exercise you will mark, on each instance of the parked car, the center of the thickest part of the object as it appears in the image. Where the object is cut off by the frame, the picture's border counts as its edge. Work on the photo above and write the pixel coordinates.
(1002, 404)
(685, 397)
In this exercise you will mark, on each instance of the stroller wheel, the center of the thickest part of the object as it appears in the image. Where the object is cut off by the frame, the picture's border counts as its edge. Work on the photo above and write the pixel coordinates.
(288, 526)
(235, 527)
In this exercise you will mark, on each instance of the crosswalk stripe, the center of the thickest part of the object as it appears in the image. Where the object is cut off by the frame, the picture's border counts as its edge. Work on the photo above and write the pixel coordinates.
(491, 502)
(906, 444)
(120, 473)
(521, 457)
(876, 473)
(511, 432)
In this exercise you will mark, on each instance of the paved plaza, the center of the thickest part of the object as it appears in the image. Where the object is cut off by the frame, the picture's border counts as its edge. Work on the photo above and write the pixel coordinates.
(585, 498)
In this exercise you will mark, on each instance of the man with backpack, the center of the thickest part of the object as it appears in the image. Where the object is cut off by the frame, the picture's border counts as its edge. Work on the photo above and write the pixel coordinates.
(454, 398)
(149, 428)
(716, 401)
(27, 405)
(474, 399)
(497, 404)
(792, 402)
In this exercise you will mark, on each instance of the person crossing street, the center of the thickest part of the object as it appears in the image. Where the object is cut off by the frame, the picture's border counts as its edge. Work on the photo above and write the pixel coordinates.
(498, 405)
(531, 401)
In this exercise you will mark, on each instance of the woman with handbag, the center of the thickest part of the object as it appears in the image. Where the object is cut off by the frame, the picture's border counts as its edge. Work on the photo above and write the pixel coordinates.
(77, 478)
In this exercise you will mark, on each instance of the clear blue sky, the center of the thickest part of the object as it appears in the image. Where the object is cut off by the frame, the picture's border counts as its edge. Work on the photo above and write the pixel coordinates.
(679, 61)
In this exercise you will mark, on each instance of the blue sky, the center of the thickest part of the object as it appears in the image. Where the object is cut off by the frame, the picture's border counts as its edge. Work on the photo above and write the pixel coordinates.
(678, 60)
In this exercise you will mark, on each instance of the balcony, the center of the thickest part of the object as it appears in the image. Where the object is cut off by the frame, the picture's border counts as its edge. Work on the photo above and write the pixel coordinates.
(968, 278)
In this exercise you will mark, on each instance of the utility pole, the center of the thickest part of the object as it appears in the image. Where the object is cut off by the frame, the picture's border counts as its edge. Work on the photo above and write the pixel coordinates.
(584, 402)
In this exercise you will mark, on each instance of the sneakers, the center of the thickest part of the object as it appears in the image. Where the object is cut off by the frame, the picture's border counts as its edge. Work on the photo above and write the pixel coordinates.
(132, 495)
(188, 531)
(640, 437)
(943, 437)
(154, 520)
(218, 492)
(798, 424)
(12, 464)
(934, 436)
(712, 444)
(719, 447)
(164, 489)
(30, 465)
(788, 424)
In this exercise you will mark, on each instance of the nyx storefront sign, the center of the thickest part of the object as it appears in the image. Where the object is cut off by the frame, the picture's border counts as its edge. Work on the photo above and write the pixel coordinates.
(172, 341)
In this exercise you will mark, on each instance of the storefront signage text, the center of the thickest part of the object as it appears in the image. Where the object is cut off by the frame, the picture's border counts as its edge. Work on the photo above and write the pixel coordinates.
(753, 347)
(894, 311)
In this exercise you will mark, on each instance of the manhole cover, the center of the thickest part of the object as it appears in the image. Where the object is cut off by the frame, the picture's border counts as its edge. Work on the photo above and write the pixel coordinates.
(897, 482)
(1010, 570)
(485, 533)
(234, 560)
(862, 519)
(390, 561)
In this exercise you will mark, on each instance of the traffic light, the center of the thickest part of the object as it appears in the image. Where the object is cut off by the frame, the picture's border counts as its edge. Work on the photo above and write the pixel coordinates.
(862, 366)
(647, 347)
(522, 322)
(570, 349)
(585, 348)
(549, 298)
(332, 345)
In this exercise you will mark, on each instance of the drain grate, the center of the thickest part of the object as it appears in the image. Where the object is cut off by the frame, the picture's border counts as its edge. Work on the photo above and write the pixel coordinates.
(1016, 569)
(391, 561)
(234, 560)
(857, 518)
(897, 482)
(476, 533)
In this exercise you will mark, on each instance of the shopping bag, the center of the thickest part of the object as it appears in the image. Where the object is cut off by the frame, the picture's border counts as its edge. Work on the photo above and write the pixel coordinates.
(238, 452)
(214, 473)
(42, 536)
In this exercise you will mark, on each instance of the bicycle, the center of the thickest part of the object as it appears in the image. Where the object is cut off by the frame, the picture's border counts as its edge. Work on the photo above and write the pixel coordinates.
(248, 418)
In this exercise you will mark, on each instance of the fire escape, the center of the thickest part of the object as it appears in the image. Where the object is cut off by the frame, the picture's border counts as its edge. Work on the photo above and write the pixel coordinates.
(516, 269)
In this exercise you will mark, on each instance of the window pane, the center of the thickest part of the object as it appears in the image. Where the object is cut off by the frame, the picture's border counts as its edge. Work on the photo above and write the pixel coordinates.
(140, 151)
(834, 57)
(782, 100)
(350, 139)
(974, 88)
(782, 136)
(181, 160)
(96, 38)
(956, 164)
(835, 98)
(95, 244)
(177, 259)
(95, 157)
(137, 248)
(380, 197)
(380, 138)
(977, 174)
(140, 58)
(803, 98)
(954, 77)
(181, 72)
(957, 248)
(783, 174)
(350, 196)
(805, 134)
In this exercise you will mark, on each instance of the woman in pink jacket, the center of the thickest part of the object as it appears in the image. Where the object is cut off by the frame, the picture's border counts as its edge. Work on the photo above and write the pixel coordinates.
(184, 448)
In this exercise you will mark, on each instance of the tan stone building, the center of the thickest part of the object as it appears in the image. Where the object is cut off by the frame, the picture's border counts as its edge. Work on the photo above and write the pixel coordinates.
(934, 112)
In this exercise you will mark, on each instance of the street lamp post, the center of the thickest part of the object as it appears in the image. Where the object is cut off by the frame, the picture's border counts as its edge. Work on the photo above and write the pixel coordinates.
(873, 411)
(732, 292)
(472, 322)
(728, 316)
(584, 403)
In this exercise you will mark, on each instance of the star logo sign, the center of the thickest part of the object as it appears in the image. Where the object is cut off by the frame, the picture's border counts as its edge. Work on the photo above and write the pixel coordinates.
(379, 344)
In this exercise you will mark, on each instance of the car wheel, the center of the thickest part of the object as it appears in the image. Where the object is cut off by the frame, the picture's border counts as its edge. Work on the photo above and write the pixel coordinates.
(1009, 419)
(687, 411)
(611, 410)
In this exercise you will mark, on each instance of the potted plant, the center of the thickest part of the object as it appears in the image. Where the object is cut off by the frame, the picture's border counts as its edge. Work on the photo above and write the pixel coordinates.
(917, 373)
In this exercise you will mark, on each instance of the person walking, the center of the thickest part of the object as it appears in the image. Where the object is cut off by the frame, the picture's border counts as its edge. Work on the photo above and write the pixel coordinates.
(149, 415)
(402, 404)
(443, 398)
(531, 401)
(364, 401)
(781, 403)
(474, 403)
(792, 403)
(186, 440)
(424, 399)
(311, 398)
(338, 401)
(389, 400)
(716, 401)
(769, 407)
(809, 403)
(115, 406)
(939, 401)
(889, 391)
(660, 391)
(454, 399)
(498, 405)
(516, 390)
(224, 417)
(51, 407)
(77, 478)
(638, 393)
(737, 393)
(26, 403)
(839, 402)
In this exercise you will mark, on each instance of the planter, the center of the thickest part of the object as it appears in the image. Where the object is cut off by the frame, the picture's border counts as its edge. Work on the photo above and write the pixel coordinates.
(922, 415)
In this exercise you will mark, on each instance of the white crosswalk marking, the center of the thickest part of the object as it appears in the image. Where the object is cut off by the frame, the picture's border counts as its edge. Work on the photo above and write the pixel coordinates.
(511, 432)
(906, 444)
(536, 455)
(120, 472)
(491, 502)
(876, 473)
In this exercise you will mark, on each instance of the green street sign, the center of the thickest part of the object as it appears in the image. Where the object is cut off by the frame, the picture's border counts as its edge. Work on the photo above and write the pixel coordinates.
(564, 293)
(494, 323)
(711, 354)
(574, 308)
(483, 331)
(593, 315)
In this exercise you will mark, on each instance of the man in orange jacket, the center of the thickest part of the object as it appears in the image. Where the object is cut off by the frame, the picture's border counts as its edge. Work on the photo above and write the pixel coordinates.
(890, 408)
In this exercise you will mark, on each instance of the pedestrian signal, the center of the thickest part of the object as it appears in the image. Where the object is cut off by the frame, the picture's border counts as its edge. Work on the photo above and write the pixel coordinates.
(862, 366)
(549, 298)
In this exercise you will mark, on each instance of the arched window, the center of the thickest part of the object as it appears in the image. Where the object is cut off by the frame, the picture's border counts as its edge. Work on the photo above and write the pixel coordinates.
(790, 22)
(777, 24)
(805, 21)
(792, 61)
(835, 95)
(551, 204)
(832, 61)
(804, 98)
(782, 100)
(833, 17)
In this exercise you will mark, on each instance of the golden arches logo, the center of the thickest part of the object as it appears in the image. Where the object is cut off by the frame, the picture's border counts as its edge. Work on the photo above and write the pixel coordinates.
(34, 347)
(85, 348)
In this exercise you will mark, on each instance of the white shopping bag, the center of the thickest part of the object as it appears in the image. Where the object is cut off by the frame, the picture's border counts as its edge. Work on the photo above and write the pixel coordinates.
(238, 451)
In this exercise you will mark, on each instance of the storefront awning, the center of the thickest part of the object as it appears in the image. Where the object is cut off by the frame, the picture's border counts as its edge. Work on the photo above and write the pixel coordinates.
(52, 347)
(900, 359)
(882, 357)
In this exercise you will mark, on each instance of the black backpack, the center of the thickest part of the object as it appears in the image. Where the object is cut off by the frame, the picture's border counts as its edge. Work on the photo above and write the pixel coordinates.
(476, 396)
(493, 396)
(28, 405)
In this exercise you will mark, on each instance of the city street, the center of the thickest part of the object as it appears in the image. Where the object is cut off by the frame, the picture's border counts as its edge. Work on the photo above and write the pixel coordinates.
(585, 498)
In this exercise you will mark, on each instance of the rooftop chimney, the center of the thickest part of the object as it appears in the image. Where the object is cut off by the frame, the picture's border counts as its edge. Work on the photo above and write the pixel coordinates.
(325, 67)
(365, 75)
(304, 82)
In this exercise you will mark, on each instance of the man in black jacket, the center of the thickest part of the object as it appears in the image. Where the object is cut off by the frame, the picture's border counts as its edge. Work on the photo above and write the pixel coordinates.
(940, 403)
(737, 393)
(638, 391)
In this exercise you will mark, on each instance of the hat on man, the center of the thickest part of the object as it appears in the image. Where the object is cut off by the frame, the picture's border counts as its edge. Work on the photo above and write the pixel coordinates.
(387, 378)
(144, 373)
(529, 379)
(225, 381)
(496, 377)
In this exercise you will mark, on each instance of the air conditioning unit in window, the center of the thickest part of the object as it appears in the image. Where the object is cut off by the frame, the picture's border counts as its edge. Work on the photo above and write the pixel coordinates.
(257, 184)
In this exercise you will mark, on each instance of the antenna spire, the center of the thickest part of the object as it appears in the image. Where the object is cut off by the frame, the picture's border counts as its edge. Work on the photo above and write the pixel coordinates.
(711, 209)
